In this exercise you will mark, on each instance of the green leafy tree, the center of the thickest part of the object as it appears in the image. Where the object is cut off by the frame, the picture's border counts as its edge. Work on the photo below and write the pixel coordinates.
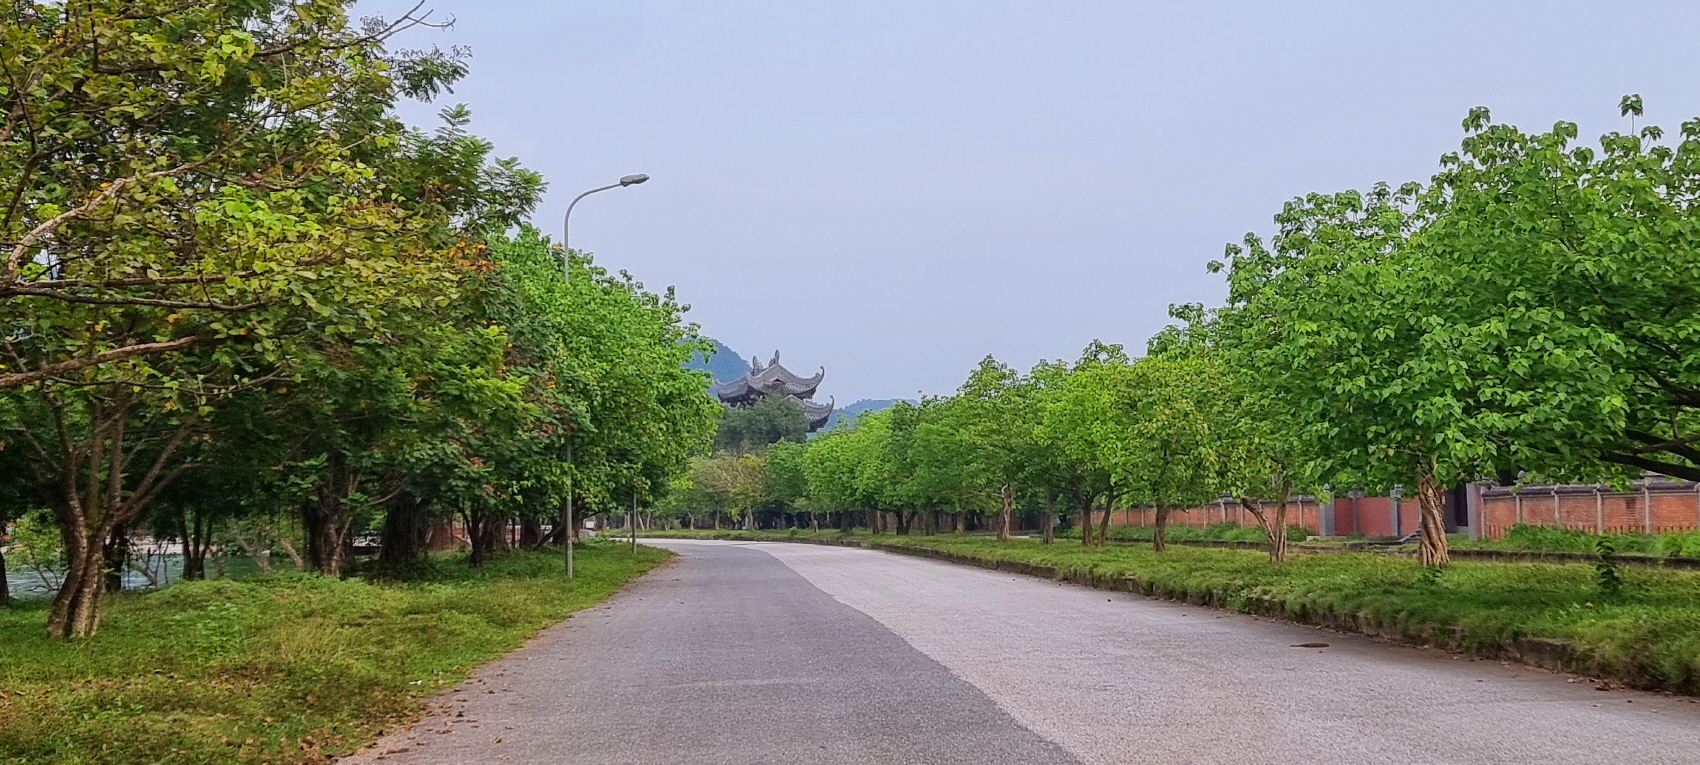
(1148, 423)
(1337, 300)
(1523, 312)
(996, 421)
(1570, 272)
(829, 467)
(787, 483)
(769, 420)
(1254, 430)
(733, 484)
(196, 201)
(1075, 430)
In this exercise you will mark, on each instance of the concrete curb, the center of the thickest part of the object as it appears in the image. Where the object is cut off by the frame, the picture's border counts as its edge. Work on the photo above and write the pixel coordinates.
(1552, 654)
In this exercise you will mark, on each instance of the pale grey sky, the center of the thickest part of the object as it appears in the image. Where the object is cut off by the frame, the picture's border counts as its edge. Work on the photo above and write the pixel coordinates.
(892, 190)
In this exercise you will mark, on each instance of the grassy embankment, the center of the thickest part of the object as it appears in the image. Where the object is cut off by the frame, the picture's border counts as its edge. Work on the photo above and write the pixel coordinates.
(1648, 636)
(1519, 538)
(1530, 538)
(291, 668)
(1215, 532)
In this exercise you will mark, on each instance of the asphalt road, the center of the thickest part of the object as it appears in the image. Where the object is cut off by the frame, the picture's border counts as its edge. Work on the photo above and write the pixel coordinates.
(776, 653)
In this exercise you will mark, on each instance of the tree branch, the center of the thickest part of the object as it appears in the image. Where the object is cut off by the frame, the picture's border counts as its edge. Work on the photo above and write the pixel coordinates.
(17, 379)
(1654, 443)
(1672, 469)
(75, 298)
(139, 281)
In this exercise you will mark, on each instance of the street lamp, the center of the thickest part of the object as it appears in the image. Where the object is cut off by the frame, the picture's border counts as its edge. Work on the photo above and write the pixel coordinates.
(566, 275)
(566, 220)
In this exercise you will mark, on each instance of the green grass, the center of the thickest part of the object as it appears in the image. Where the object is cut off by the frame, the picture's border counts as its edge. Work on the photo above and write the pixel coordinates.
(1215, 532)
(290, 668)
(1650, 636)
(1525, 537)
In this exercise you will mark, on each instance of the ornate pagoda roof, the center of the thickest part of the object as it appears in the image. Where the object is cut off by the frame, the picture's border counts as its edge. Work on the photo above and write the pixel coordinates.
(771, 378)
(763, 380)
(817, 414)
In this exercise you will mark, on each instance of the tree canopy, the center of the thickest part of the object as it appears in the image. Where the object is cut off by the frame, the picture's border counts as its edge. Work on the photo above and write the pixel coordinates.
(236, 286)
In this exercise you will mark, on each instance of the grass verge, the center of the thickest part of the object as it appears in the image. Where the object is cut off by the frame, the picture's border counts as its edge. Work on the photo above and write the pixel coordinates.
(1215, 532)
(1530, 538)
(291, 668)
(1544, 614)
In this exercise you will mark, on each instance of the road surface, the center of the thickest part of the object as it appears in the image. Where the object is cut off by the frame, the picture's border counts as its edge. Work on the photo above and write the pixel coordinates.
(787, 653)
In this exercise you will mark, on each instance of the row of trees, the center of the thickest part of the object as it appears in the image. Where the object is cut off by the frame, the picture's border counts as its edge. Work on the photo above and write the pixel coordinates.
(236, 288)
(1532, 310)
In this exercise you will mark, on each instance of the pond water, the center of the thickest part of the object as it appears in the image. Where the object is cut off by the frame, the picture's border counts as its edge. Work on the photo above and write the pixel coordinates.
(27, 583)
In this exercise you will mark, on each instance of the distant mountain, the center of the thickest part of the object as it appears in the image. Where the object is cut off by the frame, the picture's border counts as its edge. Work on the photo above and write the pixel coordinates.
(724, 363)
(848, 412)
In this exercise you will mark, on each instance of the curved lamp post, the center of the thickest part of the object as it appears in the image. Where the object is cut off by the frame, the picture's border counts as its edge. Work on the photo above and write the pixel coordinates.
(566, 275)
(567, 220)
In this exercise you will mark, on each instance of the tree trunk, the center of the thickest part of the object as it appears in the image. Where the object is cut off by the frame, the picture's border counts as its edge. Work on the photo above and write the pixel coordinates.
(961, 522)
(904, 519)
(327, 517)
(1083, 519)
(325, 521)
(1005, 508)
(1274, 528)
(1050, 520)
(116, 557)
(475, 535)
(295, 558)
(530, 532)
(1104, 525)
(261, 557)
(5, 586)
(1159, 538)
(196, 538)
(1431, 497)
(76, 608)
(486, 532)
(406, 532)
(100, 496)
(194, 566)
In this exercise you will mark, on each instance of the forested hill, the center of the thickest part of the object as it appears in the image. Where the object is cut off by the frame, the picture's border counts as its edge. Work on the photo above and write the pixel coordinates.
(725, 364)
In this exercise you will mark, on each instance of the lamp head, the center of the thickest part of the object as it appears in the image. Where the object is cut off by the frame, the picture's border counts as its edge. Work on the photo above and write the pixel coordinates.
(633, 180)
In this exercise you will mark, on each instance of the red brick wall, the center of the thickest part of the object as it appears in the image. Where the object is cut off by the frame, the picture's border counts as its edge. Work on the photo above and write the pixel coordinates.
(1673, 508)
(1667, 510)
(1305, 512)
